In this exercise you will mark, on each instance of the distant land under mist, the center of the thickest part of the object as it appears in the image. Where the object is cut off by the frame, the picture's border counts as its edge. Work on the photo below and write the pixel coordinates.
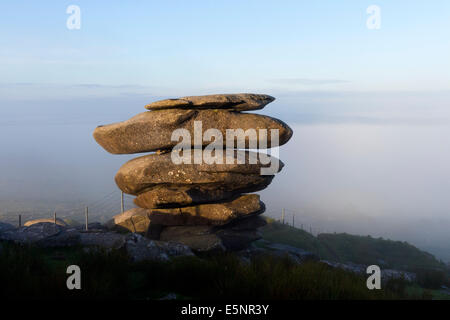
(358, 170)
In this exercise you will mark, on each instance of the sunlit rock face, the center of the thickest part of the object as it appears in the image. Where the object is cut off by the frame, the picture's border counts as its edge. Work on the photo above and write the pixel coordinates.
(152, 130)
(195, 189)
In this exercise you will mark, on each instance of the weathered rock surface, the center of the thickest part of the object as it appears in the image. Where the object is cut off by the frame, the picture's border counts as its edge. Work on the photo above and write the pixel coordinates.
(33, 233)
(238, 240)
(191, 191)
(156, 170)
(237, 102)
(386, 274)
(6, 227)
(152, 130)
(133, 220)
(165, 196)
(65, 237)
(241, 232)
(209, 214)
(298, 254)
(46, 234)
(59, 222)
(278, 250)
(140, 220)
(109, 240)
(211, 238)
(251, 222)
(198, 238)
(140, 248)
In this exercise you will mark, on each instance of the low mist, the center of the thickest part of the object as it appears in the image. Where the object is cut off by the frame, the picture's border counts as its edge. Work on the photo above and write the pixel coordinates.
(348, 169)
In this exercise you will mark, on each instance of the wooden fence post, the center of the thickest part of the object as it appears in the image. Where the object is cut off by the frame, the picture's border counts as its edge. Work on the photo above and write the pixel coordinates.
(87, 218)
(122, 204)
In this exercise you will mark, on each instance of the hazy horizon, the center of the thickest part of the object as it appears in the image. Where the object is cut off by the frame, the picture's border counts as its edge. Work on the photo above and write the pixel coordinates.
(346, 171)
(370, 108)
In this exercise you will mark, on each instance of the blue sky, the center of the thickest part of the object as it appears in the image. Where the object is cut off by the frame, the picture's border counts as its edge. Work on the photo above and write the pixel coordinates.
(188, 47)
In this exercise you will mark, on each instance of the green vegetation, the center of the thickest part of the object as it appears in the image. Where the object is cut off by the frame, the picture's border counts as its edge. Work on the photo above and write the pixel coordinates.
(357, 249)
(368, 250)
(283, 233)
(426, 294)
(344, 248)
(28, 272)
(31, 272)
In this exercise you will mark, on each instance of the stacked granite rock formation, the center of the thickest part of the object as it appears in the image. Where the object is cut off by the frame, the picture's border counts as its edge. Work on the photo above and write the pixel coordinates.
(205, 206)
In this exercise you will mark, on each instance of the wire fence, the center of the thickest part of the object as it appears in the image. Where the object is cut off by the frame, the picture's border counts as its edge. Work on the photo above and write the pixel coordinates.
(297, 219)
(100, 210)
(116, 202)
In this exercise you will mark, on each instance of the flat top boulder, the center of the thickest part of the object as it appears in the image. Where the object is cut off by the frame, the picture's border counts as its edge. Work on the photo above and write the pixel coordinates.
(237, 102)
